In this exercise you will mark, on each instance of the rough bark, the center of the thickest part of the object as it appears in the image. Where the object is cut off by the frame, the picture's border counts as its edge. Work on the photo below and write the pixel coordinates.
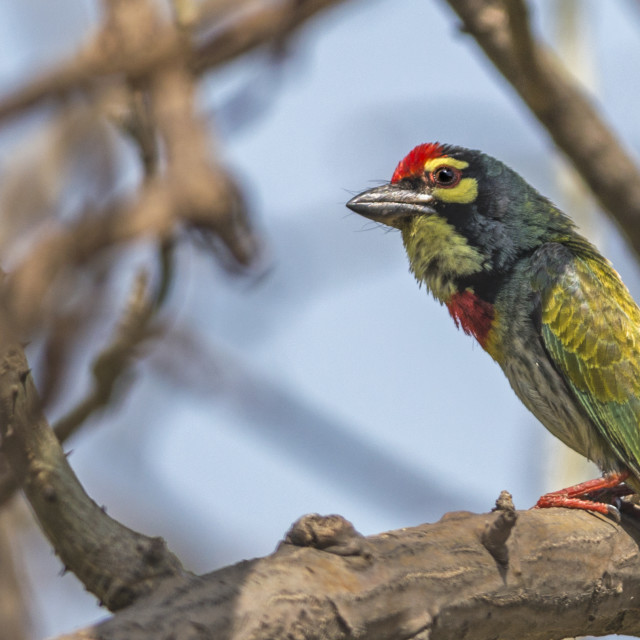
(547, 574)
(115, 563)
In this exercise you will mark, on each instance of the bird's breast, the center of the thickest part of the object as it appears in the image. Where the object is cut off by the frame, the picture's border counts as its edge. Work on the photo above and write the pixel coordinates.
(475, 317)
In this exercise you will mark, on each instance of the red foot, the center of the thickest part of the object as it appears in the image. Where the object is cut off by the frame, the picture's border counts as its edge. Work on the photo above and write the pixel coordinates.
(577, 496)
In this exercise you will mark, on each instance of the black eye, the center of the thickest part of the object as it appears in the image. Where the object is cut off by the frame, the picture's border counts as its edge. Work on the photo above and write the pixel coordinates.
(446, 176)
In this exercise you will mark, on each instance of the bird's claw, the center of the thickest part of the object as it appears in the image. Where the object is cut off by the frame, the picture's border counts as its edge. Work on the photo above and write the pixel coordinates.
(614, 511)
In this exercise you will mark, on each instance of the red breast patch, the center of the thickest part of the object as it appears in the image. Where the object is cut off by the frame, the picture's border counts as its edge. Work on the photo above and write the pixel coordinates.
(472, 314)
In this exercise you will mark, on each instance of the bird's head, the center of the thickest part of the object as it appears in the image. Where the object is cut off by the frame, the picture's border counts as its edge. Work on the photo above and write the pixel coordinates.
(466, 218)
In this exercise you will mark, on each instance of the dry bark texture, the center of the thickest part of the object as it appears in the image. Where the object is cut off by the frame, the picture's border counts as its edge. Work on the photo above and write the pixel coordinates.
(115, 563)
(558, 573)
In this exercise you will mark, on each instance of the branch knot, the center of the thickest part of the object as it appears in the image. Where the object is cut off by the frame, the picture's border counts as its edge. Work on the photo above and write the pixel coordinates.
(497, 532)
(331, 533)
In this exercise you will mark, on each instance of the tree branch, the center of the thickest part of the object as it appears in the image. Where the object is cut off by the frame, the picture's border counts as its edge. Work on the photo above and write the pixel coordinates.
(532, 575)
(268, 23)
(109, 55)
(501, 28)
(110, 364)
(115, 563)
(116, 358)
(13, 614)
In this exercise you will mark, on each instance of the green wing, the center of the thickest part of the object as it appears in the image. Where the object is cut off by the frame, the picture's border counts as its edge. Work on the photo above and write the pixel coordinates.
(590, 327)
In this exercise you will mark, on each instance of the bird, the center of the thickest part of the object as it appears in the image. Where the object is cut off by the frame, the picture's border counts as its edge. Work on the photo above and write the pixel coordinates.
(539, 298)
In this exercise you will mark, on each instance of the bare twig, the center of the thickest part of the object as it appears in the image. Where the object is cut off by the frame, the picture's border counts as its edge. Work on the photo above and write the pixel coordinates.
(114, 360)
(192, 191)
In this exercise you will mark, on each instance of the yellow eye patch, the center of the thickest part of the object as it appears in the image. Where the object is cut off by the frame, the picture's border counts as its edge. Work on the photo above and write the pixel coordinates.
(464, 192)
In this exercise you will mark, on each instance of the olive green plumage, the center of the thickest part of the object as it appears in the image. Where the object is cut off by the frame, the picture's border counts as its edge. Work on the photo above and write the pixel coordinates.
(590, 327)
(514, 272)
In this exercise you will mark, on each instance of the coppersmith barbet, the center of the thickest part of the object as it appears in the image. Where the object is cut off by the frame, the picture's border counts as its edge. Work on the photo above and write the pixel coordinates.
(537, 296)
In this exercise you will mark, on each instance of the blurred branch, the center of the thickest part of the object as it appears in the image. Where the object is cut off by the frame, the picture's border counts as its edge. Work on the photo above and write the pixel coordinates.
(192, 195)
(156, 60)
(140, 127)
(192, 191)
(119, 50)
(111, 364)
(486, 576)
(114, 562)
(13, 615)
(521, 36)
(139, 71)
(501, 28)
(266, 23)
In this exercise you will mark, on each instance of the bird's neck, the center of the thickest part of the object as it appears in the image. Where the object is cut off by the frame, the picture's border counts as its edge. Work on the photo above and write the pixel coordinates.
(439, 256)
(455, 273)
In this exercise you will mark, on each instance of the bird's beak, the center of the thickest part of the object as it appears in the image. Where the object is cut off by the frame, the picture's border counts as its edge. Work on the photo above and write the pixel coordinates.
(390, 202)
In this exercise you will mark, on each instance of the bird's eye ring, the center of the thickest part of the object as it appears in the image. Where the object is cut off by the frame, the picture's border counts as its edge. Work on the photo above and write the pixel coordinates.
(446, 176)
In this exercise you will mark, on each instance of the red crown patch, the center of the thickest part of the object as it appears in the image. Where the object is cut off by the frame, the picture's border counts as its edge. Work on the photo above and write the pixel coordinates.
(413, 163)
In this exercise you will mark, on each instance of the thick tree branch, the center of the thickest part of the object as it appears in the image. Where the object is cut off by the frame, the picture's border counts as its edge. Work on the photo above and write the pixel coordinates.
(115, 563)
(501, 28)
(550, 574)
